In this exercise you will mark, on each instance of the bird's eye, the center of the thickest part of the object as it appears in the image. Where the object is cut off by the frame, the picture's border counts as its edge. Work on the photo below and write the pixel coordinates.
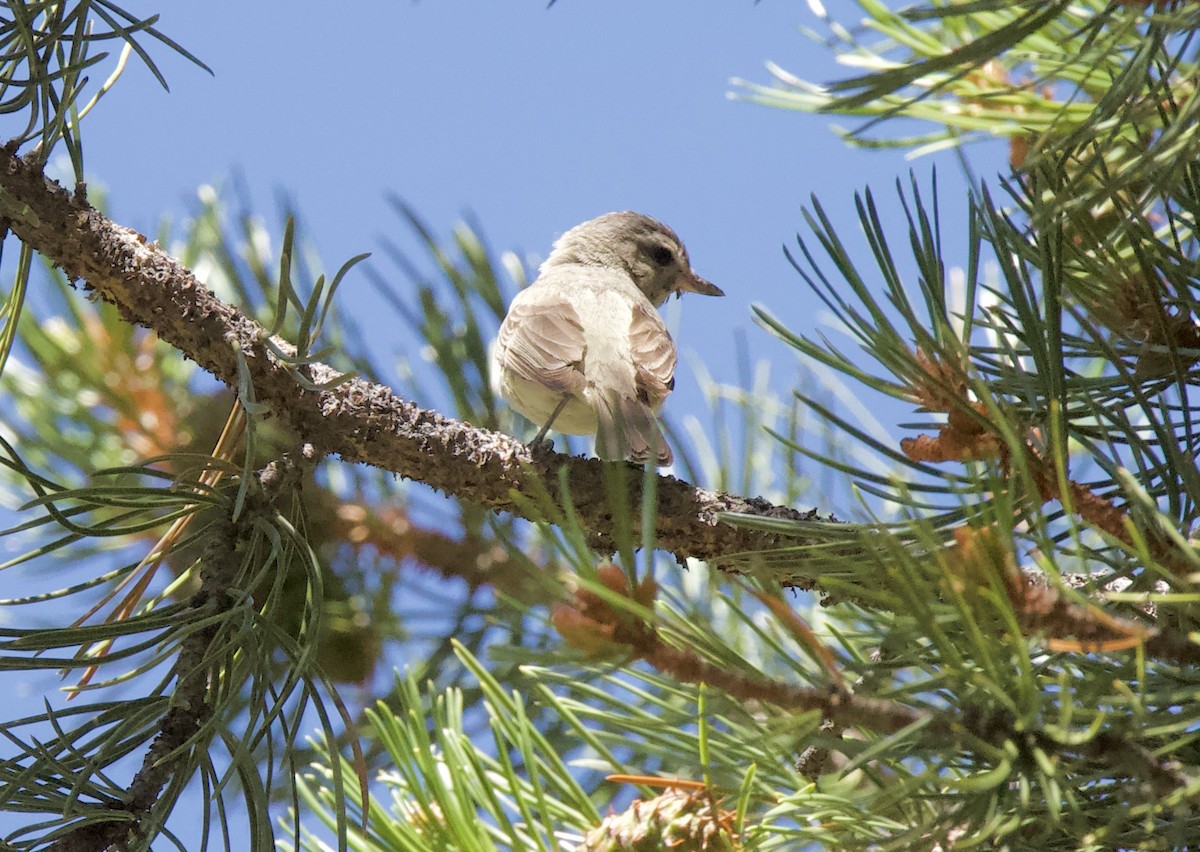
(660, 255)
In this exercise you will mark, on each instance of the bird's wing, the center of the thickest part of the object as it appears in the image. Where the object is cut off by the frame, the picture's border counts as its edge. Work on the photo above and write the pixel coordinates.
(541, 339)
(653, 355)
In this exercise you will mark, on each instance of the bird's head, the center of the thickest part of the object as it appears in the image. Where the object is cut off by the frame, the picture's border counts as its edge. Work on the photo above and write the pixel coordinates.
(645, 248)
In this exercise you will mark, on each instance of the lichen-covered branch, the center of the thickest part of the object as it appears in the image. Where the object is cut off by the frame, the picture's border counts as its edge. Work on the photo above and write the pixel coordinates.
(357, 420)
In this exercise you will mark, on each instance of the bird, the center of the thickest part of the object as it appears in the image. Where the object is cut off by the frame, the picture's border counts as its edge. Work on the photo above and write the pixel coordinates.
(583, 349)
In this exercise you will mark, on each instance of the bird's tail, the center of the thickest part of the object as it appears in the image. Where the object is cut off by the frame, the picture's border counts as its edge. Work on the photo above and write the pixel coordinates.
(628, 429)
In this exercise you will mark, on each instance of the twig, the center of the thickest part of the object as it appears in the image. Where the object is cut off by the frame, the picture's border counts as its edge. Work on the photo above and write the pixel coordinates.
(189, 707)
(194, 673)
(591, 624)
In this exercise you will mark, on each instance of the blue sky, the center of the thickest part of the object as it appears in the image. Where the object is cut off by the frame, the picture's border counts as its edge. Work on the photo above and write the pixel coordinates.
(533, 119)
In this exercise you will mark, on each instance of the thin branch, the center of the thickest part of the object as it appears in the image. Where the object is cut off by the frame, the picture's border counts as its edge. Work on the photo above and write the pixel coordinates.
(591, 624)
(190, 708)
(357, 420)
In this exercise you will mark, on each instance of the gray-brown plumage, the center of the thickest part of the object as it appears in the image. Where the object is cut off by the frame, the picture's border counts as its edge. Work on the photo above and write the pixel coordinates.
(583, 348)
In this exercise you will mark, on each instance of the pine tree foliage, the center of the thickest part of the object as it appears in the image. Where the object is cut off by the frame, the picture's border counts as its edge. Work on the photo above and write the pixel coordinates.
(1004, 646)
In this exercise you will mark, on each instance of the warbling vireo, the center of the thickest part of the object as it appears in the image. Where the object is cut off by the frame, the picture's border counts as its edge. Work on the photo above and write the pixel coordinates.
(583, 348)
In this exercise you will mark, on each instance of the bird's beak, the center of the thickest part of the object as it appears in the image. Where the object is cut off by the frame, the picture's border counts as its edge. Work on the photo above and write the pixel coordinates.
(690, 282)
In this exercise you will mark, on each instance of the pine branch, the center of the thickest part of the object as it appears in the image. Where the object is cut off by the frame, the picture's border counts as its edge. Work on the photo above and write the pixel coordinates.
(591, 624)
(357, 420)
(191, 707)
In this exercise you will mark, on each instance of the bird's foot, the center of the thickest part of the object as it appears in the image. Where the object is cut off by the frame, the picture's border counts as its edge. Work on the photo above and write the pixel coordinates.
(541, 447)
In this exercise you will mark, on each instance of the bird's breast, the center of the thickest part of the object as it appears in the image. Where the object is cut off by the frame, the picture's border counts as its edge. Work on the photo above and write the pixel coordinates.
(606, 316)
